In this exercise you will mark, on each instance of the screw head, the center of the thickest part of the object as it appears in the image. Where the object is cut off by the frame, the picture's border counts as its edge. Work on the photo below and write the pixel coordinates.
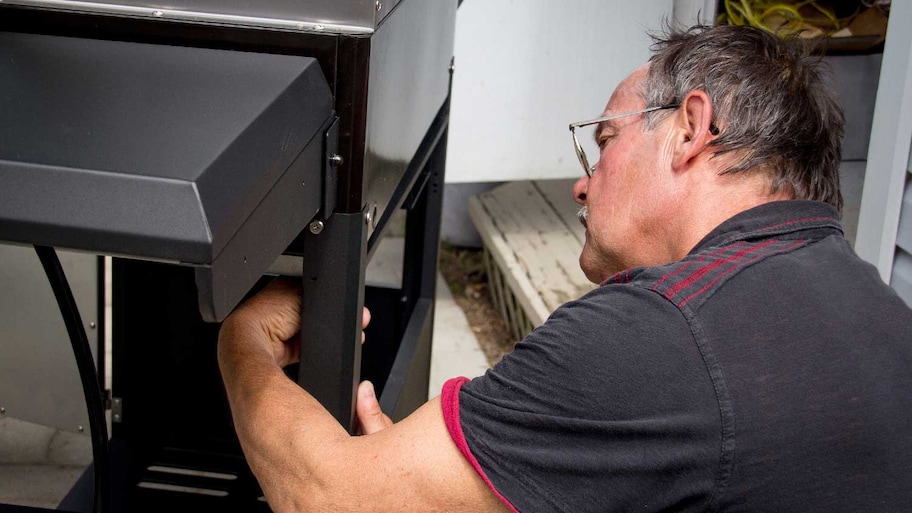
(2, 410)
(316, 227)
(158, 14)
(336, 160)
(80, 428)
(379, 5)
(92, 325)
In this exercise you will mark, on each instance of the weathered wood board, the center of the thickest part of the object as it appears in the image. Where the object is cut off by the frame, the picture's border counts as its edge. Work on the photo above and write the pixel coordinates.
(531, 232)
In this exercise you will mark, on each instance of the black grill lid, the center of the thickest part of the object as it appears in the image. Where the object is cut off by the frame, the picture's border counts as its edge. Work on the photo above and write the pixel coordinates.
(201, 156)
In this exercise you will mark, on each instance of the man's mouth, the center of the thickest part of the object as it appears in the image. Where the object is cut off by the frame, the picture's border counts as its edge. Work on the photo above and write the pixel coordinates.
(583, 215)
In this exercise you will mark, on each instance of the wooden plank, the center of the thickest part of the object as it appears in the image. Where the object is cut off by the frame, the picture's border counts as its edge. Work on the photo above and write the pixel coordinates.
(499, 288)
(559, 195)
(504, 258)
(533, 246)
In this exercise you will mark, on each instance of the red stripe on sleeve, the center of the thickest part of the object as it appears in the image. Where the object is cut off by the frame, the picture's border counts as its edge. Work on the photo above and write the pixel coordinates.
(449, 402)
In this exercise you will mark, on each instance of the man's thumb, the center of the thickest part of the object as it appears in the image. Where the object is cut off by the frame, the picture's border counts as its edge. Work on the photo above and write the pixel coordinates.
(370, 418)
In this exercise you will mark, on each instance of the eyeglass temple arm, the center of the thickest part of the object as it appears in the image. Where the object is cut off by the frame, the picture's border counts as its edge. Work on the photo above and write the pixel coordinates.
(580, 124)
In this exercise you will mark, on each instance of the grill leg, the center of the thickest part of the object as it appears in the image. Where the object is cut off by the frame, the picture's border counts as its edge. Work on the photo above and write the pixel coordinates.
(334, 264)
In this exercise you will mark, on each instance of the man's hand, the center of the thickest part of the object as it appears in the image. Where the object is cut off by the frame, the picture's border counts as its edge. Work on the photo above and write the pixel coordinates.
(270, 319)
(274, 315)
(303, 459)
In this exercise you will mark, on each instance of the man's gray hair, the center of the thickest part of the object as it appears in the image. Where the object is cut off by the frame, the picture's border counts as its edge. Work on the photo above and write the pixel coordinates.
(770, 104)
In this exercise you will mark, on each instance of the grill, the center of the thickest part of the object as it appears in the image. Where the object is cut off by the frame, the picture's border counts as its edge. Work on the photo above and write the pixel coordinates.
(204, 145)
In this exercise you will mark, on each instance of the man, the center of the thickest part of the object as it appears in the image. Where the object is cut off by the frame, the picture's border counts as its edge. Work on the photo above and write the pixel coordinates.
(737, 357)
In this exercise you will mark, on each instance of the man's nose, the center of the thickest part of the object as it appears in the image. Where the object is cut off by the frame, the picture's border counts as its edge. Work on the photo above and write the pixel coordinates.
(579, 190)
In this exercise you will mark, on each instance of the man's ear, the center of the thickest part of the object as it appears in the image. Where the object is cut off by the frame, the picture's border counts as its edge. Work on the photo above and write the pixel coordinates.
(694, 131)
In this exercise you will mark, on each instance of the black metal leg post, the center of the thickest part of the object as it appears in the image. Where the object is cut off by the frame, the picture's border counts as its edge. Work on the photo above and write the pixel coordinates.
(407, 386)
(334, 264)
(423, 230)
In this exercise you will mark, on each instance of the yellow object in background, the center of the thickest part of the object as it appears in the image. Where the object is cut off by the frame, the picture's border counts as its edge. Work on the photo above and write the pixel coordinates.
(805, 18)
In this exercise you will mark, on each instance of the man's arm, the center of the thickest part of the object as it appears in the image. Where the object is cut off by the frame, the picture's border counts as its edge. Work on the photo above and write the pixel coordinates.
(303, 459)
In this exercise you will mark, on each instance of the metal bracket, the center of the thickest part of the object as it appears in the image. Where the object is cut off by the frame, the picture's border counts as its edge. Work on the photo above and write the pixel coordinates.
(116, 410)
(332, 162)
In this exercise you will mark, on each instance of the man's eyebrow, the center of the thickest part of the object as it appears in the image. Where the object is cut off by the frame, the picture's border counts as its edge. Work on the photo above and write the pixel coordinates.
(604, 125)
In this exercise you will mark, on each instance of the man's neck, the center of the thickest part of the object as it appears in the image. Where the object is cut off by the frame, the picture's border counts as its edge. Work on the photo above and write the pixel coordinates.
(711, 206)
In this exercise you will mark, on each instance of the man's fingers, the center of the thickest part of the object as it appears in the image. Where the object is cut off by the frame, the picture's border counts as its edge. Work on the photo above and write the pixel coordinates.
(365, 320)
(277, 308)
(370, 417)
(272, 316)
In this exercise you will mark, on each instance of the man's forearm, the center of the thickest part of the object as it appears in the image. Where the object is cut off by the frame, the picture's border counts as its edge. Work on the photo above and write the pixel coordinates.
(304, 459)
(283, 429)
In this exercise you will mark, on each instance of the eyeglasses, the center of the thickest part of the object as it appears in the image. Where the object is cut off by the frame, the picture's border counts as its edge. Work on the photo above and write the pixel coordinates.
(579, 149)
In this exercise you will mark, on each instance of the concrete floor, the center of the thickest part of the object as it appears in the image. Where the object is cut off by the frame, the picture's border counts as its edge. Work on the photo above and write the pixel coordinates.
(38, 464)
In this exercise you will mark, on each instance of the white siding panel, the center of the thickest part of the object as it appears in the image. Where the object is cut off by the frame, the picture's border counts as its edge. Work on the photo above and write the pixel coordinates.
(904, 231)
(526, 69)
(902, 276)
(888, 151)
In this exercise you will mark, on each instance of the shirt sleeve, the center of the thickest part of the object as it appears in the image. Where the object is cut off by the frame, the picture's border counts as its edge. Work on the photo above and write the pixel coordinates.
(606, 407)
(450, 404)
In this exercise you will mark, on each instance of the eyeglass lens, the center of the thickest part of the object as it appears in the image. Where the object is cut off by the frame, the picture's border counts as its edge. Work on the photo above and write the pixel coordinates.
(581, 153)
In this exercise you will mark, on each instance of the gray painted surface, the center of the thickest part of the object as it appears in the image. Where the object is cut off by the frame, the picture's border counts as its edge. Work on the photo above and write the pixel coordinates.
(901, 276)
(456, 228)
(888, 154)
(904, 231)
(885, 220)
(525, 69)
(39, 382)
(854, 78)
(851, 182)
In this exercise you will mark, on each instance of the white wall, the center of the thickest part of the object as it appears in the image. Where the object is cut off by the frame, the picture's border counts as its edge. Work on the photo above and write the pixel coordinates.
(880, 231)
(525, 69)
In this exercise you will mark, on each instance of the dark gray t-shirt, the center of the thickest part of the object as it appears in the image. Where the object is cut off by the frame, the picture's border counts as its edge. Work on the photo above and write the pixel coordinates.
(769, 370)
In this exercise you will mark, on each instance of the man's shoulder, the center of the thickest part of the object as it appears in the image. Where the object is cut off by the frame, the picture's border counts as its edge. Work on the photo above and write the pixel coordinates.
(629, 300)
(610, 318)
(690, 281)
